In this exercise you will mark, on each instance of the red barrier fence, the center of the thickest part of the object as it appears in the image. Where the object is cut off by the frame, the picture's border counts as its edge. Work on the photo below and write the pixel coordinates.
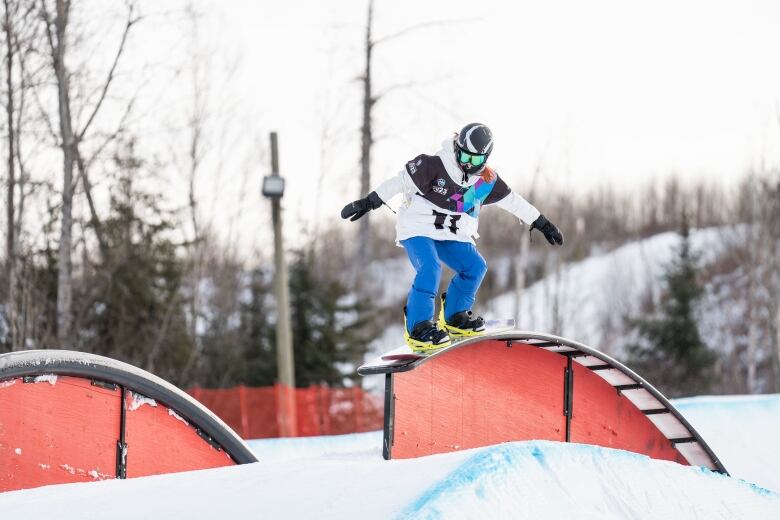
(257, 413)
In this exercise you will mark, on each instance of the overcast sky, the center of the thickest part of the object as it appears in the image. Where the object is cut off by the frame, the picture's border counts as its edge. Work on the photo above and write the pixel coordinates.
(597, 91)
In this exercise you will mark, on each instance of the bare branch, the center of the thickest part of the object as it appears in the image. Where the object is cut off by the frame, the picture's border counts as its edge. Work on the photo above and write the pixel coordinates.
(94, 219)
(417, 27)
(47, 22)
(44, 113)
(109, 79)
(110, 138)
(391, 88)
(409, 84)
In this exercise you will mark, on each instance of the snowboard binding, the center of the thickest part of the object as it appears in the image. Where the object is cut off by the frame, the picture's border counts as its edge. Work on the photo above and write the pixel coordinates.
(461, 324)
(426, 336)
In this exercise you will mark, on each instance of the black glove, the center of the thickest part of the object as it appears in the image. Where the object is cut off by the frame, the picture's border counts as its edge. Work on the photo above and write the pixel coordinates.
(361, 206)
(548, 229)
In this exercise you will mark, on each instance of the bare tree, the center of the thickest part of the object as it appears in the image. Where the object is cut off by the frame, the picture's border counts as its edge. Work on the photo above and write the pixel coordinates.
(753, 266)
(366, 133)
(56, 29)
(16, 25)
(8, 31)
(196, 123)
(770, 244)
(774, 266)
(57, 25)
(370, 99)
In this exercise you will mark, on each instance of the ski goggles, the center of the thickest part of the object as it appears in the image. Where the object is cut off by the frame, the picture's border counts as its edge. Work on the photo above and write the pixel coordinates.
(466, 157)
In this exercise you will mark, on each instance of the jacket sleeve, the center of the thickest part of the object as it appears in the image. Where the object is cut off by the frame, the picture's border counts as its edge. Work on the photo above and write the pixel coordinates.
(502, 196)
(519, 207)
(414, 178)
(398, 183)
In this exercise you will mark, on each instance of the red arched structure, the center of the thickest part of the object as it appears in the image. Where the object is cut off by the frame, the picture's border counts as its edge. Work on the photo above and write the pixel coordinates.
(521, 386)
(76, 417)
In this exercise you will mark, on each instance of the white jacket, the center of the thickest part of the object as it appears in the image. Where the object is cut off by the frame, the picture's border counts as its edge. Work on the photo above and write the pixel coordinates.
(439, 204)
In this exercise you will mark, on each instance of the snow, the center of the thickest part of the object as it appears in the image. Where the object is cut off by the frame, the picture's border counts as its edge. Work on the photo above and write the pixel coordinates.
(46, 378)
(177, 416)
(368, 445)
(595, 294)
(393, 277)
(140, 400)
(736, 426)
(553, 480)
(345, 477)
(96, 475)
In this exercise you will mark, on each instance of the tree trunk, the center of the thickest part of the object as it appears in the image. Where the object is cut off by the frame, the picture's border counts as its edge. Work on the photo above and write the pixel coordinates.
(773, 278)
(755, 258)
(364, 232)
(64, 267)
(11, 207)
(776, 383)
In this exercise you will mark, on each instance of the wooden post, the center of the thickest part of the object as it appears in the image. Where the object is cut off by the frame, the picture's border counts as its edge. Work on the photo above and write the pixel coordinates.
(284, 351)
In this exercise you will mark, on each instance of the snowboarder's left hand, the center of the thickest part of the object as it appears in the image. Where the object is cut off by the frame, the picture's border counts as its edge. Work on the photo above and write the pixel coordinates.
(360, 207)
(548, 229)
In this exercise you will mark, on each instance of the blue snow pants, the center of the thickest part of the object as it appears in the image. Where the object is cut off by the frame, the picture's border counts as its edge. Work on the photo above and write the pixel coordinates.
(426, 256)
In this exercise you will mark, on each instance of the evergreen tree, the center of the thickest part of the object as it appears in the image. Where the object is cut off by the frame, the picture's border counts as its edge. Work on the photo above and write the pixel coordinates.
(219, 334)
(328, 324)
(670, 352)
(129, 303)
(256, 334)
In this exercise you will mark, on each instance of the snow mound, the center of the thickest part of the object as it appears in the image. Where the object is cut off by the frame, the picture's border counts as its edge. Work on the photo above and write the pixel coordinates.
(543, 479)
(742, 431)
(532, 479)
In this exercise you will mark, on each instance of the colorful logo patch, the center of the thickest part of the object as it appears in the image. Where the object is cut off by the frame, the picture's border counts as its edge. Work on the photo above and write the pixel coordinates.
(470, 201)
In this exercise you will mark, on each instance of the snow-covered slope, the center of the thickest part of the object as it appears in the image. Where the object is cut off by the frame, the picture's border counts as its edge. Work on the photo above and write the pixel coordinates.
(345, 477)
(743, 432)
(515, 480)
(593, 296)
(557, 480)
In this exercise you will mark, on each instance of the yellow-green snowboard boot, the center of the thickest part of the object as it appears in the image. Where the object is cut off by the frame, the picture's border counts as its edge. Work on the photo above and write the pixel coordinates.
(461, 324)
(426, 336)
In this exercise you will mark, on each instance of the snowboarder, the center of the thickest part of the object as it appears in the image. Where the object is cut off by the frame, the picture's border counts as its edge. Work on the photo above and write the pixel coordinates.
(437, 222)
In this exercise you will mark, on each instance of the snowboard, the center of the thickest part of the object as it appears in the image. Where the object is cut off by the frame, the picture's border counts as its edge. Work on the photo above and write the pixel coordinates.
(406, 353)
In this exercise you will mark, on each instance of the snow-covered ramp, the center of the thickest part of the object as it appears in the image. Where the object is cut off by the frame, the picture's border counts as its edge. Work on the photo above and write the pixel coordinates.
(542, 479)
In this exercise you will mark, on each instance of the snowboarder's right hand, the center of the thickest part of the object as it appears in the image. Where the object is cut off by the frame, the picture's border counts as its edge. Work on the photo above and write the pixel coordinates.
(360, 207)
